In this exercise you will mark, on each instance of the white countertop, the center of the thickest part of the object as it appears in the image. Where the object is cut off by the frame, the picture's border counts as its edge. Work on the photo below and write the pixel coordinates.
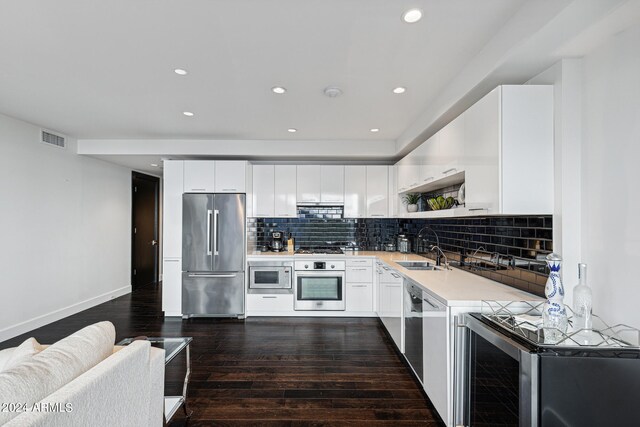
(452, 287)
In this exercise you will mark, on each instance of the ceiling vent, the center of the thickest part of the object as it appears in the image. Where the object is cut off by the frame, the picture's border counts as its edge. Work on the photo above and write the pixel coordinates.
(53, 139)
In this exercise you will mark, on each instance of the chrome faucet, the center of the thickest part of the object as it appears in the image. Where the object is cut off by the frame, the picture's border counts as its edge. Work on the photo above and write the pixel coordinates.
(438, 263)
(426, 227)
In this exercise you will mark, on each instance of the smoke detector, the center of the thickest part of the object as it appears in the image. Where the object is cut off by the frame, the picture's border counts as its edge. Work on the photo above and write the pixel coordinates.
(332, 91)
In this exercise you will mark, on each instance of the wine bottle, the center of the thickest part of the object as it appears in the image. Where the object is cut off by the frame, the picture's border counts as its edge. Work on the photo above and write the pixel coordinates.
(582, 301)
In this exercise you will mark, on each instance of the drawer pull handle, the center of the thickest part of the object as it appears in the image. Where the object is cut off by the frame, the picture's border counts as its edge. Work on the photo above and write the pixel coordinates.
(449, 170)
(267, 297)
(359, 286)
(397, 276)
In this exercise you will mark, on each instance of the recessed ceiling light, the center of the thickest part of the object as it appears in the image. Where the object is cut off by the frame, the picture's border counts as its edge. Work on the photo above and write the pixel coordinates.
(188, 113)
(155, 165)
(412, 16)
(180, 72)
(332, 91)
(400, 89)
(278, 89)
(375, 130)
(292, 130)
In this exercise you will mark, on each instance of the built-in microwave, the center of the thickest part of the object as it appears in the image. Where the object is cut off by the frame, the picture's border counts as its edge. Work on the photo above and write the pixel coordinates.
(268, 276)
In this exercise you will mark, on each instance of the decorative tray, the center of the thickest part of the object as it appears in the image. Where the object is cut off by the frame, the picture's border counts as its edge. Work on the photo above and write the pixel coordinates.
(524, 319)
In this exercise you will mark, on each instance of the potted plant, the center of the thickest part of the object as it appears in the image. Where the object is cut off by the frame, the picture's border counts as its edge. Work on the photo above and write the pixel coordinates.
(411, 200)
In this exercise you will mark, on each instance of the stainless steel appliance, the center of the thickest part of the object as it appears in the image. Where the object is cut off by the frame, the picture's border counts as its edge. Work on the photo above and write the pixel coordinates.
(320, 285)
(213, 255)
(270, 276)
(504, 375)
(277, 241)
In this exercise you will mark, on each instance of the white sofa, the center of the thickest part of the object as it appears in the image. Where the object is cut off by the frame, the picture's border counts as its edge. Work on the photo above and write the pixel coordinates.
(84, 380)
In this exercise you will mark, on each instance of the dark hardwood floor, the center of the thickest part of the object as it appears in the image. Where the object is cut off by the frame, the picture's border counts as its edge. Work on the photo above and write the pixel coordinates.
(271, 371)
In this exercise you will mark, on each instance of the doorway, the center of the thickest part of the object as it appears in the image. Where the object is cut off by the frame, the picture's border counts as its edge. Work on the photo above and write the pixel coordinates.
(144, 229)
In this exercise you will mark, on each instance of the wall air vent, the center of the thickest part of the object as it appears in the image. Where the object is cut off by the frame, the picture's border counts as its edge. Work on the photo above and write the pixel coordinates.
(53, 139)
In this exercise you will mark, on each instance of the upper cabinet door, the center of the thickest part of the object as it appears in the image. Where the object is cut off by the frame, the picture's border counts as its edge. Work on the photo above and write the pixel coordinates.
(377, 191)
(451, 147)
(230, 176)
(355, 191)
(481, 148)
(394, 199)
(332, 184)
(285, 191)
(263, 191)
(309, 183)
(199, 176)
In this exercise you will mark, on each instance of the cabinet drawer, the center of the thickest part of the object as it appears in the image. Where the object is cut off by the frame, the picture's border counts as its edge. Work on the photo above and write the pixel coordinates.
(269, 302)
(359, 274)
(359, 297)
(389, 275)
(367, 262)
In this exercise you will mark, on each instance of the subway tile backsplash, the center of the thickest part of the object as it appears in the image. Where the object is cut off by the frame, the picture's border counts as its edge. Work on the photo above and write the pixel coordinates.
(508, 249)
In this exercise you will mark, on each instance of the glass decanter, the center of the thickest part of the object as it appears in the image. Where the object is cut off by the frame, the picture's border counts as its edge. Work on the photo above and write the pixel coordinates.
(554, 313)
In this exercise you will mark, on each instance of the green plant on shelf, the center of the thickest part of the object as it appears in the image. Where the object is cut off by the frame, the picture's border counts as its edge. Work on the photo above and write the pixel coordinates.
(411, 198)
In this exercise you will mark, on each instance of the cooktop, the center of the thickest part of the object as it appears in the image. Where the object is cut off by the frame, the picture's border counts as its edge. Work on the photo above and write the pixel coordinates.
(320, 251)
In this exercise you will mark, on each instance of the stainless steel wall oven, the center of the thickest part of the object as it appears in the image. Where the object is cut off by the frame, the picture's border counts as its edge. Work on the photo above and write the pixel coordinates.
(320, 285)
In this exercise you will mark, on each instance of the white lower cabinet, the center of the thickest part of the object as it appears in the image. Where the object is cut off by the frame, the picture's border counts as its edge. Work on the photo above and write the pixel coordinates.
(269, 303)
(172, 286)
(359, 297)
(436, 355)
(390, 304)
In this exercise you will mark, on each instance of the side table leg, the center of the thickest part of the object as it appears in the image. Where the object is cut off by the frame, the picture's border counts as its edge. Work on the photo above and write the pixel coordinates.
(187, 412)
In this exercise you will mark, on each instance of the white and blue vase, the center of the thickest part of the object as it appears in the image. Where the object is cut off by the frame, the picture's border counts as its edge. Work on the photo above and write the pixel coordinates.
(554, 313)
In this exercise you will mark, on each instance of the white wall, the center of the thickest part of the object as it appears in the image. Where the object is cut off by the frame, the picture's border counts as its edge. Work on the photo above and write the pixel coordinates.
(611, 176)
(65, 225)
(566, 78)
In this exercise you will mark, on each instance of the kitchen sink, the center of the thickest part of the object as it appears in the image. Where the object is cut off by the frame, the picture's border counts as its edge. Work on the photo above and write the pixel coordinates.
(417, 265)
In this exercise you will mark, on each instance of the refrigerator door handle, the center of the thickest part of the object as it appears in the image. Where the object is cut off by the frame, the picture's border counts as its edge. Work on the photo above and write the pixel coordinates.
(216, 214)
(211, 275)
(209, 215)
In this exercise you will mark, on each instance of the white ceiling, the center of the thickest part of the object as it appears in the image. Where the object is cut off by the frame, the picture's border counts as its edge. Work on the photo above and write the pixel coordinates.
(104, 69)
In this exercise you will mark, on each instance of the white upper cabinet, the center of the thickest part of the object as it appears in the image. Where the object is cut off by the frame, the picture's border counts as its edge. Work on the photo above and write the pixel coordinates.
(230, 176)
(332, 184)
(450, 154)
(309, 185)
(377, 191)
(409, 169)
(199, 176)
(509, 151)
(285, 191)
(264, 190)
(394, 199)
(172, 188)
(355, 191)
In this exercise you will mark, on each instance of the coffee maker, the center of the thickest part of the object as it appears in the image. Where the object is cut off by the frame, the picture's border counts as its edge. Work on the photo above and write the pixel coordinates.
(277, 241)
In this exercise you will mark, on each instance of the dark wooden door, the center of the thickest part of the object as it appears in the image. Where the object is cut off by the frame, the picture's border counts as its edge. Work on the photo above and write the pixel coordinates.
(144, 248)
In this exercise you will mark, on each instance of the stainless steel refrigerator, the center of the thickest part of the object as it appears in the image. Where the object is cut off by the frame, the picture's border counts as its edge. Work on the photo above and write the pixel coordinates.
(213, 255)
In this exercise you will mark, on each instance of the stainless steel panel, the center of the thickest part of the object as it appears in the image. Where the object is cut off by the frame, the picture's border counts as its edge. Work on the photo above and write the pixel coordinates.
(211, 294)
(228, 232)
(197, 212)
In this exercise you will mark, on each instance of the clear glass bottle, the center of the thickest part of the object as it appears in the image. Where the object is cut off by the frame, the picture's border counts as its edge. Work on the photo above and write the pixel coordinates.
(582, 301)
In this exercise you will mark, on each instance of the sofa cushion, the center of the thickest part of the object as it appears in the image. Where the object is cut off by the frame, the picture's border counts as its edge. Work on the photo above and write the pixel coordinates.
(23, 352)
(5, 355)
(55, 366)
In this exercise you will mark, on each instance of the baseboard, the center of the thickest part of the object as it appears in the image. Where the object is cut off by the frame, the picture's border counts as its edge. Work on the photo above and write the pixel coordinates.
(45, 319)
